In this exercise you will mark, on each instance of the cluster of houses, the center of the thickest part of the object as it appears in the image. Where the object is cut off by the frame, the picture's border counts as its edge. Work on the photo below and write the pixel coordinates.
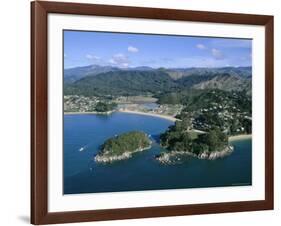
(167, 109)
(75, 103)
(230, 118)
(164, 109)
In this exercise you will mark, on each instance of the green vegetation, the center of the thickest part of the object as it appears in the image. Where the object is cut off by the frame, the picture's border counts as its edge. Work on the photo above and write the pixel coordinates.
(229, 111)
(210, 98)
(118, 82)
(127, 142)
(194, 79)
(179, 97)
(72, 75)
(210, 109)
(105, 107)
(122, 83)
(180, 138)
(207, 119)
(178, 73)
(215, 140)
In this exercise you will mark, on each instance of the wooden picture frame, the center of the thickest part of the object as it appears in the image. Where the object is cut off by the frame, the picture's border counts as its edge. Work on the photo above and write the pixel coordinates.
(39, 112)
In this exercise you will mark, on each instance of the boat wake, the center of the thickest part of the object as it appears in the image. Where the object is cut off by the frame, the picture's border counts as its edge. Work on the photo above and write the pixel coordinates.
(82, 148)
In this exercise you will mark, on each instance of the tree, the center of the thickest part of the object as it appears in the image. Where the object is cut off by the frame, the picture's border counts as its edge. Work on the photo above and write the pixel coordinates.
(104, 107)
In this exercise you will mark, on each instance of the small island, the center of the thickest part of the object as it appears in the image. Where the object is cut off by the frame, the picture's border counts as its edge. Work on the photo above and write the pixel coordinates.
(123, 146)
(179, 140)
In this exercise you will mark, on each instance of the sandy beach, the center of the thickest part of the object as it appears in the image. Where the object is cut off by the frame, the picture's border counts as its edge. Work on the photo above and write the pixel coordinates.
(89, 113)
(240, 137)
(168, 117)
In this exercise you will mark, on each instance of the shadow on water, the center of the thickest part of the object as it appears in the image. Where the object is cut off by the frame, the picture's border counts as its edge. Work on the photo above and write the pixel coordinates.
(156, 138)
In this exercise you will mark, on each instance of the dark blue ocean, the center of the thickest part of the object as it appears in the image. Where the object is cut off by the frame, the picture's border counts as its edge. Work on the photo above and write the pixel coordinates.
(83, 134)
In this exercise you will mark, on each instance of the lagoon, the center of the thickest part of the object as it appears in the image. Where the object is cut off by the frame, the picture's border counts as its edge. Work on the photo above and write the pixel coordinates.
(83, 135)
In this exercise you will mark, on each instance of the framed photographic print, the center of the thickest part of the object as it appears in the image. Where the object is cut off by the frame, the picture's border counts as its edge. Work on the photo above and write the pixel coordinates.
(147, 112)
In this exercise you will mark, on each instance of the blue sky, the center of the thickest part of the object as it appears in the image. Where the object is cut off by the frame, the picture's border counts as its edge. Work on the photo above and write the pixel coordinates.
(133, 50)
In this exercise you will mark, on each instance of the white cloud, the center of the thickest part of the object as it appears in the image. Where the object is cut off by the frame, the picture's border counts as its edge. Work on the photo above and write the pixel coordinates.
(120, 60)
(217, 54)
(92, 57)
(201, 46)
(133, 49)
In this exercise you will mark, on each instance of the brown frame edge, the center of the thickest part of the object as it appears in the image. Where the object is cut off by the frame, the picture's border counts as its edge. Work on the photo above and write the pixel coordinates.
(39, 115)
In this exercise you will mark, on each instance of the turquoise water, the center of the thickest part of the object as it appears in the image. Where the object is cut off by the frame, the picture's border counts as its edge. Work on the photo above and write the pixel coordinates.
(141, 172)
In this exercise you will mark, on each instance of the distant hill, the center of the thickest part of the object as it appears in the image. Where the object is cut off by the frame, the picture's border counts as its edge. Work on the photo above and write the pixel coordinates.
(225, 82)
(73, 74)
(123, 83)
(178, 73)
(106, 80)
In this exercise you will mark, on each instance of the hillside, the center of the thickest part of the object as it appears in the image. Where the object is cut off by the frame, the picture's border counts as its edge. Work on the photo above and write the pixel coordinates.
(123, 83)
(225, 82)
(105, 80)
(178, 73)
(74, 74)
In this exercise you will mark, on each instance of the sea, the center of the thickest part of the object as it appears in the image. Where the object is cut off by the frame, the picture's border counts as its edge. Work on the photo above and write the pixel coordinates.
(85, 133)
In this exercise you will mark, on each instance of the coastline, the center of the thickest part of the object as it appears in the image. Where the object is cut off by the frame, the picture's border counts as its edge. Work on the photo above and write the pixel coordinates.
(170, 118)
(240, 137)
(167, 157)
(88, 113)
(167, 117)
(99, 158)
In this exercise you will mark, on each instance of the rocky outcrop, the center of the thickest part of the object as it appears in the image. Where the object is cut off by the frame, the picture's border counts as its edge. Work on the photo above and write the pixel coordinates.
(216, 154)
(108, 158)
(169, 157)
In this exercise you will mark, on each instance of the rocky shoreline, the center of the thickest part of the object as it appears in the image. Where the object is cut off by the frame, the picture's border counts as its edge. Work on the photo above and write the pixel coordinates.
(166, 157)
(102, 158)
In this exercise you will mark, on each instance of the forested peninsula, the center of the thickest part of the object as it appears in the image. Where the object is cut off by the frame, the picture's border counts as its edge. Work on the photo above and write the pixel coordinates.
(179, 140)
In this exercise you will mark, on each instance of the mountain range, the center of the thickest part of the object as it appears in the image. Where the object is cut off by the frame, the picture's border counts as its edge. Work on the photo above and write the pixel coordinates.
(108, 80)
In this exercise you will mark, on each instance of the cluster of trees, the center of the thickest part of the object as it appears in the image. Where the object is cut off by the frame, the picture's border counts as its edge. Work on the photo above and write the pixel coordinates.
(215, 139)
(104, 107)
(126, 142)
(236, 124)
(183, 97)
(194, 79)
(195, 99)
(177, 138)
